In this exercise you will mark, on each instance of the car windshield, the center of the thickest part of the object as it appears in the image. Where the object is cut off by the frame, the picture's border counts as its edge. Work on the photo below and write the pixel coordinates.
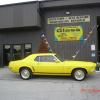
(59, 58)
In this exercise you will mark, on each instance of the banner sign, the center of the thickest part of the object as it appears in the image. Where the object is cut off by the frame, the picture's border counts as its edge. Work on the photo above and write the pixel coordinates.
(68, 19)
(68, 33)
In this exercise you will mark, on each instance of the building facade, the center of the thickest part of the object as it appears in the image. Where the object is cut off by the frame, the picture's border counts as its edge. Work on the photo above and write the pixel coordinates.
(71, 28)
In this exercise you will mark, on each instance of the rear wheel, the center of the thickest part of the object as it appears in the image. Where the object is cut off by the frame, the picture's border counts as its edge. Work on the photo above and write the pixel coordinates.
(25, 73)
(79, 74)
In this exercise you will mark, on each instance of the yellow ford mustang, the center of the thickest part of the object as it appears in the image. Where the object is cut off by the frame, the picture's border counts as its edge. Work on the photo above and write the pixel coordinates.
(49, 64)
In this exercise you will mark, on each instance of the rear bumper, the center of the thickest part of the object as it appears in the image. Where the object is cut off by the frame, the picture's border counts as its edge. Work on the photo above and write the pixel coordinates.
(12, 68)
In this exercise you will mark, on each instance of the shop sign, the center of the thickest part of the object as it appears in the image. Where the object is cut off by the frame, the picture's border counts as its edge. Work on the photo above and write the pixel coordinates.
(68, 33)
(69, 19)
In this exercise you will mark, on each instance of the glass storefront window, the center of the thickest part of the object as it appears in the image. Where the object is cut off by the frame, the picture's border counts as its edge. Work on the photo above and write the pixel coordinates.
(16, 52)
(6, 54)
(28, 49)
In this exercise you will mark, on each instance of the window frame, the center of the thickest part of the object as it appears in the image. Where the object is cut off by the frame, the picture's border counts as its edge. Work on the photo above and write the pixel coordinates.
(45, 56)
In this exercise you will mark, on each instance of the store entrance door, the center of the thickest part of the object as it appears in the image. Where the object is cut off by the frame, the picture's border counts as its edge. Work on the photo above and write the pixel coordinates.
(15, 52)
(11, 52)
(6, 54)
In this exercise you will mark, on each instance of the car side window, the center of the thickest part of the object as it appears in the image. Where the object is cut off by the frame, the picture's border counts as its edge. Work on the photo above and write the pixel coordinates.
(45, 59)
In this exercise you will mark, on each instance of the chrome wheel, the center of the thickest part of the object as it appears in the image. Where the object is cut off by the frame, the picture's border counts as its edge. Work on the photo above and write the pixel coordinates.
(25, 73)
(79, 74)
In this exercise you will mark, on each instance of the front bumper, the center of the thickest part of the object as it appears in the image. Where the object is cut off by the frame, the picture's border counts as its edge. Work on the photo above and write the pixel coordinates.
(98, 66)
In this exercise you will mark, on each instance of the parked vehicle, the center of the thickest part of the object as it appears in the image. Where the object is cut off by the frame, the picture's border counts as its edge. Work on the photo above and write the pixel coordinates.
(50, 64)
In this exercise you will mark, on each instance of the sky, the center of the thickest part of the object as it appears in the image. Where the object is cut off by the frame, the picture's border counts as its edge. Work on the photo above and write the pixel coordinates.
(3, 2)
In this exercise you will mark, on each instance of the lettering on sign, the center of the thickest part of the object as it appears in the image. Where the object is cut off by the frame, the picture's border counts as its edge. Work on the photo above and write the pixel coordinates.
(68, 19)
(68, 33)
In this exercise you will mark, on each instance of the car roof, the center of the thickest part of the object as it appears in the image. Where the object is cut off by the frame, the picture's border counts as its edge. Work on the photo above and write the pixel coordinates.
(40, 54)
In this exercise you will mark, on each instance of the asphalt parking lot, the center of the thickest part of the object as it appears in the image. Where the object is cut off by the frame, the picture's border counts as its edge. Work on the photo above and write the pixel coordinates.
(48, 87)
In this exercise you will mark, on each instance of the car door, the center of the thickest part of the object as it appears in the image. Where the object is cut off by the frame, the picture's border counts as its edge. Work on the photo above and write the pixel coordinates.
(48, 64)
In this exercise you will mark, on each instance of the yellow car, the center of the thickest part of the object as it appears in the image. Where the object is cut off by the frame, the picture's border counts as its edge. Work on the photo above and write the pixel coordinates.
(50, 64)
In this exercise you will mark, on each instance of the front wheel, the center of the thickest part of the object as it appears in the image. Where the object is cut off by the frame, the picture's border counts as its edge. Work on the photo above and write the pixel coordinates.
(25, 73)
(79, 74)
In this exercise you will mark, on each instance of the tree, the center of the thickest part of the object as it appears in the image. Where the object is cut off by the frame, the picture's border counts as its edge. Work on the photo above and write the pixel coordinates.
(43, 48)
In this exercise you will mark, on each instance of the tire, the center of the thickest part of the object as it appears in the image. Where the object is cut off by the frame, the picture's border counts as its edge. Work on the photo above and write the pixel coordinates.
(79, 74)
(25, 73)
